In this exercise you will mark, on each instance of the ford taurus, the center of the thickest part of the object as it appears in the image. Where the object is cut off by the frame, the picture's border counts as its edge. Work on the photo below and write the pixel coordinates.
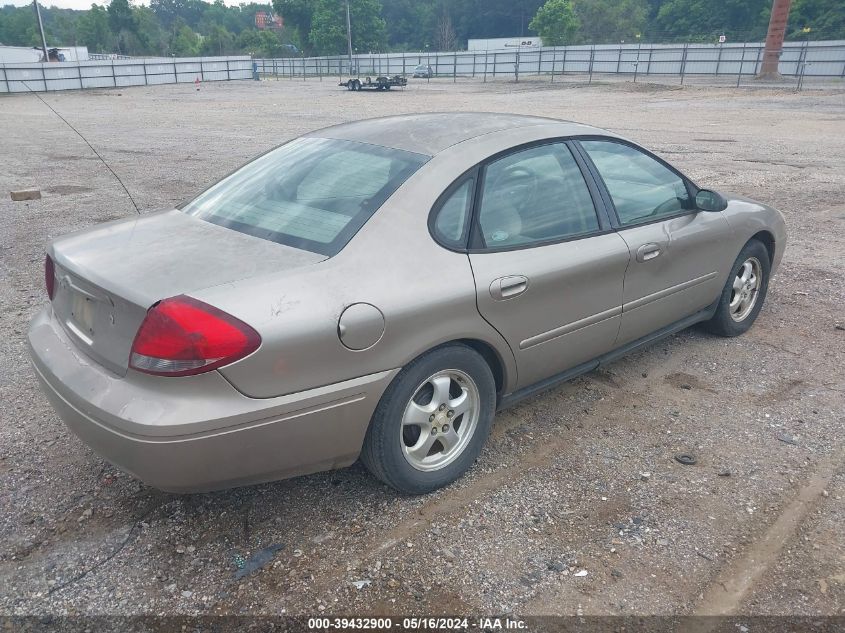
(379, 290)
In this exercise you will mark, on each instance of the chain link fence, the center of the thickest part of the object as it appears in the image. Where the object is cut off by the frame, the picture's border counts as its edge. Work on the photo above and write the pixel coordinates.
(821, 62)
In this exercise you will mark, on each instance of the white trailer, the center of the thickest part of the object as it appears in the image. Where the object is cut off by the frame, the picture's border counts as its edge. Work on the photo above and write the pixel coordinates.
(505, 44)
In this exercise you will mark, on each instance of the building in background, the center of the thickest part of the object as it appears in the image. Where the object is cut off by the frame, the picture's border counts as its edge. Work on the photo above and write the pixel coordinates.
(266, 20)
(25, 54)
(505, 44)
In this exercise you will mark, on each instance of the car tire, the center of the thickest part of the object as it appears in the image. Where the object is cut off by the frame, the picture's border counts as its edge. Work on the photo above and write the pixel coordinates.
(452, 393)
(744, 292)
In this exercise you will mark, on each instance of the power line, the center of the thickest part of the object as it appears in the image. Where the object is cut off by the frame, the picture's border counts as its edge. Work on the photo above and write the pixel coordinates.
(96, 153)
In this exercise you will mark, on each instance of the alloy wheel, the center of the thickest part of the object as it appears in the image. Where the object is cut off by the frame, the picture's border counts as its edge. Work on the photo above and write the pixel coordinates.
(746, 289)
(440, 420)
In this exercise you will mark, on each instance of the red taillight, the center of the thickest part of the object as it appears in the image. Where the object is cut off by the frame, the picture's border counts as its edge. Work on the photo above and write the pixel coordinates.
(182, 336)
(49, 276)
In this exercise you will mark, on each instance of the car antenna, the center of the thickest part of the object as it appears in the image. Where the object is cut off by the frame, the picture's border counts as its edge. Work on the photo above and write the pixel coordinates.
(96, 153)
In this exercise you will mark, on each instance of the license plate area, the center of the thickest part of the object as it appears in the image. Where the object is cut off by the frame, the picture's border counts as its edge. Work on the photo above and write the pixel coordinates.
(82, 311)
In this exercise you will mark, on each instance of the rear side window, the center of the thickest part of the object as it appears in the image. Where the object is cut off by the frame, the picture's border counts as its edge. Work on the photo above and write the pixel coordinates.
(312, 193)
(450, 224)
(641, 187)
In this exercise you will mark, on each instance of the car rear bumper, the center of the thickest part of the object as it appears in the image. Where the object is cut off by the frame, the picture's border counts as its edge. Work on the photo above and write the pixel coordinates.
(199, 433)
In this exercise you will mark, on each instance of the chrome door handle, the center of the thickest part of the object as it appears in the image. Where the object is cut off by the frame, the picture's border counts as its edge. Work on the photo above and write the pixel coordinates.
(647, 252)
(508, 287)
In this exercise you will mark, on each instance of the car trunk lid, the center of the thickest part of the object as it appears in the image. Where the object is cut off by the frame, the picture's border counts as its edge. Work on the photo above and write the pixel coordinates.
(108, 277)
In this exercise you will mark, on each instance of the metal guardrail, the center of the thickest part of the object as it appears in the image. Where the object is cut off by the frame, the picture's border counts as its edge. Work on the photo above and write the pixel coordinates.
(41, 77)
(799, 60)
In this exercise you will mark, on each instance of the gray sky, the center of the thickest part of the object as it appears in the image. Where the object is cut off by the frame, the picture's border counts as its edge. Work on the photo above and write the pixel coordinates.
(84, 4)
(64, 4)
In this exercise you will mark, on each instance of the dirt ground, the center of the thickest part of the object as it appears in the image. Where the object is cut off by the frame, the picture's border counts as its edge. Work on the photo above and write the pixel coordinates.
(580, 479)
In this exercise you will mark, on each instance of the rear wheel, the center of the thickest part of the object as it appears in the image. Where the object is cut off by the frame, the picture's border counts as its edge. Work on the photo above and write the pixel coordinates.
(744, 292)
(432, 421)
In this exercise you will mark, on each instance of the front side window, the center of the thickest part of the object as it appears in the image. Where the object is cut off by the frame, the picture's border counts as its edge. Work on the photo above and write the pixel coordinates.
(535, 195)
(642, 188)
(312, 193)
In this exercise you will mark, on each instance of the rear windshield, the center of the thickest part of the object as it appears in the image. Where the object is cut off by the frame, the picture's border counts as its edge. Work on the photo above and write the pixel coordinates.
(311, 193)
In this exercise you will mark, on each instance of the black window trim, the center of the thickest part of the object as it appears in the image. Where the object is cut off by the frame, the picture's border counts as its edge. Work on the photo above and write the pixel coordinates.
(691, 187)
(471, 242)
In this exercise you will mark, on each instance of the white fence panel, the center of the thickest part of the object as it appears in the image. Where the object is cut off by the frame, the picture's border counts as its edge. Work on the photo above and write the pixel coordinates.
(810, 59)
(120, 73)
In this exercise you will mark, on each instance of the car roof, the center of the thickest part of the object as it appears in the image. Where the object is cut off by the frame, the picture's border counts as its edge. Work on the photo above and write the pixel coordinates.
(431, 133)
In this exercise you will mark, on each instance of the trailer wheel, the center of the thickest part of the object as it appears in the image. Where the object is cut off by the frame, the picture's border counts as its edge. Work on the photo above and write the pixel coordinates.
(350, 85)
(357, 85)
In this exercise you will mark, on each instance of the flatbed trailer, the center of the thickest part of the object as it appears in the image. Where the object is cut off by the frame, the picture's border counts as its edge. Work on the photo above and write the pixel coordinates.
(379, 83)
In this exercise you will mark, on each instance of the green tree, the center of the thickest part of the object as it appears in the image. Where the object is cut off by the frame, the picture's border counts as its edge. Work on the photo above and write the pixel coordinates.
(411, 24)
(218, 41)
(824, 18)
(151, 37)
(121, 17)
(328, 26)
(249, 41)
(298, 15)
(702, 20)
(93, 30)
(603, 21)
(556, 22)
(17, 26)
(184, 42)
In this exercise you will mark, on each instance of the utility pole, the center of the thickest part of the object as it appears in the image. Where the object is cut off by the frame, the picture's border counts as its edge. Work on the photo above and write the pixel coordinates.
(41, 28)
(349, 35)
(774, 39)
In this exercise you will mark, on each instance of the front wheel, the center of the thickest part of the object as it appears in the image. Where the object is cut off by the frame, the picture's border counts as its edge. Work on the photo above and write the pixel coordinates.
(432, 421)
(744, 292)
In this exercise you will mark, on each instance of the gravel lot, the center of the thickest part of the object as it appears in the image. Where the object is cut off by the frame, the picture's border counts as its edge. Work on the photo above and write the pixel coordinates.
(581, 479)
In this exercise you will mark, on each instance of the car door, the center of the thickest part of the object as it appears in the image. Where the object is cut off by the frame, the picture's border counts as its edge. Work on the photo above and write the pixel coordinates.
(548, 268)
(678, 254)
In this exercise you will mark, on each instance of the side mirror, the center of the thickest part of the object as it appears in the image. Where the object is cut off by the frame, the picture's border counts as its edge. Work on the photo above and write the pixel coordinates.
(707, 200)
